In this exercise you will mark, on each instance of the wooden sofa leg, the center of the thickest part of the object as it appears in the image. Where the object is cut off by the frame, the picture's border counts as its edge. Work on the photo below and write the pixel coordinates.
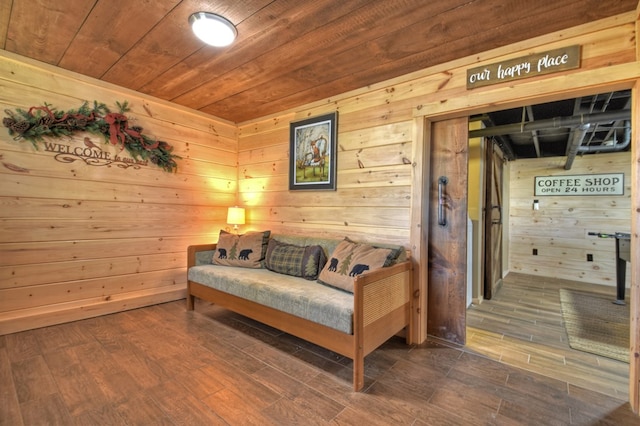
(358, 373)
(190, 299)
(190, 302)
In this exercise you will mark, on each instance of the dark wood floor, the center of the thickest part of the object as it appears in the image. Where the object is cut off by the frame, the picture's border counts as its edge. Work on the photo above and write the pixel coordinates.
(163, 365)
(522, 326)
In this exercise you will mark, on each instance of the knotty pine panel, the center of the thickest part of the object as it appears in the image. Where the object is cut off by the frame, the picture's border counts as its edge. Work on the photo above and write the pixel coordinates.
(29, 253)
(575, 249)
(560, 229)
(569, 272)
(267, 155)
(374, 197)
(264, 169)
(383, 135)
(598, 212)
(357, 233)
(368, 158)
(590, 243)
(390, 176)
(51, 294)
(378, 216)
(45, 273)
(17, 230)
(273, 136)
(208, 153)
(20, 185)
(79, 240)
(101, 210)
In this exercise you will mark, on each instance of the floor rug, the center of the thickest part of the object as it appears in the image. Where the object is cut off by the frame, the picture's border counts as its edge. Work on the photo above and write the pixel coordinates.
(596, 325)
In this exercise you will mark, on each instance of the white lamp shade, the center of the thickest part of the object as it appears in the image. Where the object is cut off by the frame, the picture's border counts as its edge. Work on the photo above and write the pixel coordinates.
(235, 216)
(213, 29)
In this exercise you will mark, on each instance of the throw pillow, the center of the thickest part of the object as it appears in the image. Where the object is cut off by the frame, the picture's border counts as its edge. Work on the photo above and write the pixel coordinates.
(397, 252)
(350, 259)
(299, 261)
(246, 250)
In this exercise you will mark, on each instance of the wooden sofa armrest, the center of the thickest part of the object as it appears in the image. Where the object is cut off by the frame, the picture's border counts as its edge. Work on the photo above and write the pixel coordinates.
(192, 250)
(191, 261)
(382, 293)
(382, 308)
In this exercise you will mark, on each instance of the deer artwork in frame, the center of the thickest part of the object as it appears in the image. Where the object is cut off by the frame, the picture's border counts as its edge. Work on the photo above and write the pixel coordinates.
(313, 154)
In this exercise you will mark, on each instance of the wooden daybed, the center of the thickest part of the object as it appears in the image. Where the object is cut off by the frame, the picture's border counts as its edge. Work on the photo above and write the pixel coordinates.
(381, 307)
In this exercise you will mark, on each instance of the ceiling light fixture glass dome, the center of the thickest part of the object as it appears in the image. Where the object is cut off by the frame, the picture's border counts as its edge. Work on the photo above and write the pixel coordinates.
(213, 29)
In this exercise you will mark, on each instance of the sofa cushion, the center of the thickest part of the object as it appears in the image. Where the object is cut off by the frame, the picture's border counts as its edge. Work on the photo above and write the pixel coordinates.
(247, 250)
(350, 259)
(312, 301)
(291, 259)
(328, 244)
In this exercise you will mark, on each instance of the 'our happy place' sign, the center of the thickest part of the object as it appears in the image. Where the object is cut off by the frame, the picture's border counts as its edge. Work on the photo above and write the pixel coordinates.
(549, 62)
(596, 184)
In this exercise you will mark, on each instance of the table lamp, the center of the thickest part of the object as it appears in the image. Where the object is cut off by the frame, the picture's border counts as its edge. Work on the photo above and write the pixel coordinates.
(235, 217)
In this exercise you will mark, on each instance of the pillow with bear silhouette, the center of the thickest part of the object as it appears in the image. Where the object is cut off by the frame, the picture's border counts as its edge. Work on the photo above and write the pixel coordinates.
(246, 250)
(350, 259)
(291, 259)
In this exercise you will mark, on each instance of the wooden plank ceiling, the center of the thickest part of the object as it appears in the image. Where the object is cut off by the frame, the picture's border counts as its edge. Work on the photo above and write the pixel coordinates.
(288, 52)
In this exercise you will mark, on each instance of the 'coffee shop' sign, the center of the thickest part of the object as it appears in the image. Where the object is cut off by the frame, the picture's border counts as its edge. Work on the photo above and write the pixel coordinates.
(594, 184)
(549, 62)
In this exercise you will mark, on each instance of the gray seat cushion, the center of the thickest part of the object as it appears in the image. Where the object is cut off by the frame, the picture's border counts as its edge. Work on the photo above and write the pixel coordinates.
(305, 299)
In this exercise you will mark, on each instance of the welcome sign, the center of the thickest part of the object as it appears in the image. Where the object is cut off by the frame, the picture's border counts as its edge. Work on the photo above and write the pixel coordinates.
(92, 155)
(524, 67)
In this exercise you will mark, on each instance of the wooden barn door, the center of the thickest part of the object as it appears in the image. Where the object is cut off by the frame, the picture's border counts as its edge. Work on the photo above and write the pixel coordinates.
(493, 220)
(448, 230)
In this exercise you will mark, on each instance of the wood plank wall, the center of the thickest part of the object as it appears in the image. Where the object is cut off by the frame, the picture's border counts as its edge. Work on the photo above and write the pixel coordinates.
(79, 240)
(378, 177)
(374, 188)
(381, 137)
(378, 196)
(559, 231)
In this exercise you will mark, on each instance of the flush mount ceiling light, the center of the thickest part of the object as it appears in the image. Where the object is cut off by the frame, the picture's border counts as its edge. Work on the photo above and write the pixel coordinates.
(213, 29)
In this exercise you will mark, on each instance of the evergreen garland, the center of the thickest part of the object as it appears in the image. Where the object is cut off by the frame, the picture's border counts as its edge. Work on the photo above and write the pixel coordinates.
(45, 121)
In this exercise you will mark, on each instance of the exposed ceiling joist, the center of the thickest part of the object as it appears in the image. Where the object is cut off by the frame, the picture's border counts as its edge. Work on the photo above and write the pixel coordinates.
(558, 128)
(553, 123)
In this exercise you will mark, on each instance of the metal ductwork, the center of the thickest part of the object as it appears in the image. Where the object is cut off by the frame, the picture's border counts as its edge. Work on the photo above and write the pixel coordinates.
(552, 123)
(579, 134)
(576, 140)
(610, 148)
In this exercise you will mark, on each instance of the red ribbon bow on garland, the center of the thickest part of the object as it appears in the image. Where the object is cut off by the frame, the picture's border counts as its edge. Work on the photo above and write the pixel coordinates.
(118, 126)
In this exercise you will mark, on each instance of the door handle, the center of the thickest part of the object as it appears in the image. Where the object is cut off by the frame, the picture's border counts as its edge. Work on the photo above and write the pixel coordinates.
(442, 182)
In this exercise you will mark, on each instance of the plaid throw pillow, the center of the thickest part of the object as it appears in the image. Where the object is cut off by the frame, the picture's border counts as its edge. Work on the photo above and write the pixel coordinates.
(289, 259)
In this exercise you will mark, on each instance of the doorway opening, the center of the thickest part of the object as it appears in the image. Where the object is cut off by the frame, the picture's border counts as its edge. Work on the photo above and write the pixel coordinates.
(549, 240)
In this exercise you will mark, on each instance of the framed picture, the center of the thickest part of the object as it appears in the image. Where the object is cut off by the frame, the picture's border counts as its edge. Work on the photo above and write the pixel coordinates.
(313, 154)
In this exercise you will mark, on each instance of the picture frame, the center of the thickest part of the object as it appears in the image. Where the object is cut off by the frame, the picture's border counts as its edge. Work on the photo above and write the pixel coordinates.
(313, 153)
